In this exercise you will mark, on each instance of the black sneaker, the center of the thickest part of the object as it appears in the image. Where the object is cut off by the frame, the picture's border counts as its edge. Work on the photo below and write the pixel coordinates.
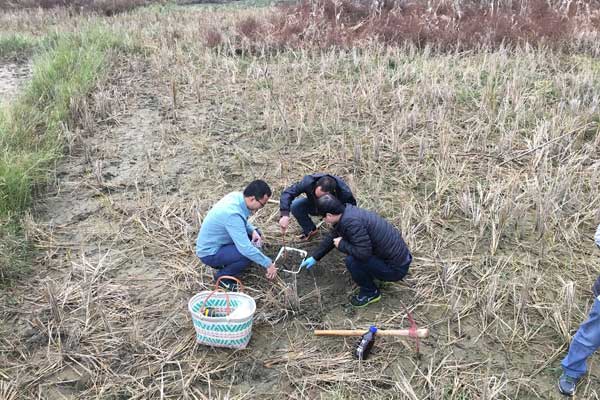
(359, 300)
(228, 285)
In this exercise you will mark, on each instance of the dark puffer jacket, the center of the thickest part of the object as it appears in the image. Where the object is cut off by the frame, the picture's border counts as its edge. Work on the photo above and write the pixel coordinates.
(307, 185)
(365, 234)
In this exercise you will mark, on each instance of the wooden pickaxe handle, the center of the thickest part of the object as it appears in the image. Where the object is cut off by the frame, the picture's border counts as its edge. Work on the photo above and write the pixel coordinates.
(421, 332)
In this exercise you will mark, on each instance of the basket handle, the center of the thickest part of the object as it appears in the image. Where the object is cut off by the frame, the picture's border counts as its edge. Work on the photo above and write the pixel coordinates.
(227, 301)
(233, 278)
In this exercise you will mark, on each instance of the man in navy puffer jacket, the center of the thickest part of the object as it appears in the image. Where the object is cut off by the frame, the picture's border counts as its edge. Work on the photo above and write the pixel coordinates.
(374, 247)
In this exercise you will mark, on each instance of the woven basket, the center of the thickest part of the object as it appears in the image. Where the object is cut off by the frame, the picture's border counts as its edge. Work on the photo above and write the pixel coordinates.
(223, 319)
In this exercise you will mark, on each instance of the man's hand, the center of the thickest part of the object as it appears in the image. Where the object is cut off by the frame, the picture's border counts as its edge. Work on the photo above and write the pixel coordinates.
(336, 241)
(308, 263)
(257, 239)
(284, 222)
(271, 271)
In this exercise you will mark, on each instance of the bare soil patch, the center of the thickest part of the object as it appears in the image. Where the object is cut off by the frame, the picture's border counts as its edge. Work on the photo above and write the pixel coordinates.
(116, 269)
(12, 77)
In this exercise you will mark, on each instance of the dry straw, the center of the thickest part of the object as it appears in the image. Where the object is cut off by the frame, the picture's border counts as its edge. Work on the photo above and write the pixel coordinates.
(487, 160)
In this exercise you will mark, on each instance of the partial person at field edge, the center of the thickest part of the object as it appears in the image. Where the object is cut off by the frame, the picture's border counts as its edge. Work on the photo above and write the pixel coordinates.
(584, 343)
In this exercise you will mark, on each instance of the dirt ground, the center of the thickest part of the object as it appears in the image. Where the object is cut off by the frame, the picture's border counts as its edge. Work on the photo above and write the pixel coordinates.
(127, 193)
(104, 312)
(12, 76)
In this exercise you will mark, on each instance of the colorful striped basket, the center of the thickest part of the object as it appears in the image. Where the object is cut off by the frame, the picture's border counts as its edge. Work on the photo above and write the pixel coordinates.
(223, 319)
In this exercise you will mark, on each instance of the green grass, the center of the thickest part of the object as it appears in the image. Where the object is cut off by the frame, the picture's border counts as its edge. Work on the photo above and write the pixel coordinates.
(16, 46)
(31, 129)
(13, 252)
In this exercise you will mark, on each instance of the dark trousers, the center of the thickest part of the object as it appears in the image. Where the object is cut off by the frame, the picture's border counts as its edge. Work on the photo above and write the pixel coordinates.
(363, 273)
(302, 209)
(227, 261)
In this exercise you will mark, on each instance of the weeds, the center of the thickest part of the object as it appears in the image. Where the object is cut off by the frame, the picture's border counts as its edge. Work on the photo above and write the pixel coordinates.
(14, 253)
(459, 26)
(16, 46)
(32, 129)
(106, 7)
(33, 126)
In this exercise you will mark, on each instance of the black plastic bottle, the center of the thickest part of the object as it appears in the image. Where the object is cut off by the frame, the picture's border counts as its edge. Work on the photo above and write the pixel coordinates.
(212, 312)
(366, 343)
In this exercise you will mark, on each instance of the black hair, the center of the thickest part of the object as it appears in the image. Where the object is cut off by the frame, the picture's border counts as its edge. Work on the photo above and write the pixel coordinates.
(329, 204)
(327, 184)
(257, 189)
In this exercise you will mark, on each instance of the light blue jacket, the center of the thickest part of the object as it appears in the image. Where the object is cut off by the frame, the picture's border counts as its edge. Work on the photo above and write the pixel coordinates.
(227, 223)
(597, 236)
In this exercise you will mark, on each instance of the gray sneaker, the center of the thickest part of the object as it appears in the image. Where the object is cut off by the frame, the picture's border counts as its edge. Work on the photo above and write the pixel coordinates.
(567, 385)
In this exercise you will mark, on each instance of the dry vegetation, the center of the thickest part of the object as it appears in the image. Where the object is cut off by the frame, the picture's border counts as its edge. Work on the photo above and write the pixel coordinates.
(106, 7)
(442, 26)
(487, 159)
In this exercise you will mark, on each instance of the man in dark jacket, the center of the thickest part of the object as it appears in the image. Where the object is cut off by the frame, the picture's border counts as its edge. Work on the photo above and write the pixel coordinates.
(375, 248)
(313, 186)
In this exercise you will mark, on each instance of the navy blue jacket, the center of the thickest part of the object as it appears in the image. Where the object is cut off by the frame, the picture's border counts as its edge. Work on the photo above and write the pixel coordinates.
(307, 185)
(365, 234)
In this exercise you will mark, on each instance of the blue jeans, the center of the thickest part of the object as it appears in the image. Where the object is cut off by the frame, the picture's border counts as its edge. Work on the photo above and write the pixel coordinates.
(302, 209)
(363, 273)
(227, 261)
(584, 343)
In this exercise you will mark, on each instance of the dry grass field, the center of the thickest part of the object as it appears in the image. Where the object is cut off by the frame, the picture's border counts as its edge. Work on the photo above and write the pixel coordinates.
(486, 154)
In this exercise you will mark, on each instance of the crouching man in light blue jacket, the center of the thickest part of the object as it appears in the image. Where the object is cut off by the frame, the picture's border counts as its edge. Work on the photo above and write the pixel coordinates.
(227, 242)
(585, 342)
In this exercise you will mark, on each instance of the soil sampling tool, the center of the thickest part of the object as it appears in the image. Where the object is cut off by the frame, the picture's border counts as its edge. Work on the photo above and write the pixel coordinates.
(417, 333)
(285, 250)
(413, 332)
(364, 345)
